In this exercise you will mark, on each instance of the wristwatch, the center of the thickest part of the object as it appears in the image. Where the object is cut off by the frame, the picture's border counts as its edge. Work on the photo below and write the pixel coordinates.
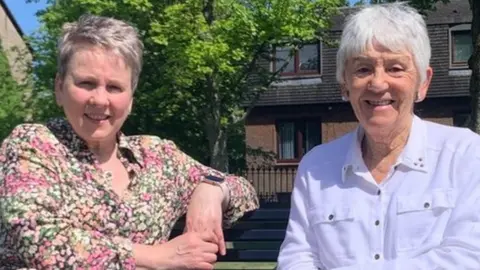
(214, 180)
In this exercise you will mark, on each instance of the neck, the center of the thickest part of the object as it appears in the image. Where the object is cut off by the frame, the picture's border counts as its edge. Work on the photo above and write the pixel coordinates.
(103, 151)
(383, 150)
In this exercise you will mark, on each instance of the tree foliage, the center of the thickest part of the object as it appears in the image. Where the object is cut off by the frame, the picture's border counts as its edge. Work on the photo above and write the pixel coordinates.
(12, 93)
(205, 61)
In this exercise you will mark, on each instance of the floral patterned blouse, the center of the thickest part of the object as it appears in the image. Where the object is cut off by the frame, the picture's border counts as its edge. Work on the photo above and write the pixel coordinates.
(58, 209)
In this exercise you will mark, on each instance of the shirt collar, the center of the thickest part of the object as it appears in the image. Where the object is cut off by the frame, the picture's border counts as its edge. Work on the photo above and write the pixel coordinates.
(354, 159)
(414, 155)
(78, 147)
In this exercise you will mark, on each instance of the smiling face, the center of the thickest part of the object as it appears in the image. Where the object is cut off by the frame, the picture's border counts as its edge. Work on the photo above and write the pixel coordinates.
(95, 93)
(382, 87)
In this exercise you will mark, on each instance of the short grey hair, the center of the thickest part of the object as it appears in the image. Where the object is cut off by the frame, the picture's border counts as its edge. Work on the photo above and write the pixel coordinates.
(108, 33)
(395, 26)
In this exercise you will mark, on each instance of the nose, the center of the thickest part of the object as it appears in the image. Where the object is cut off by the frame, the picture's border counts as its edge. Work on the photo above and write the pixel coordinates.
(378, 81)
(99, 97)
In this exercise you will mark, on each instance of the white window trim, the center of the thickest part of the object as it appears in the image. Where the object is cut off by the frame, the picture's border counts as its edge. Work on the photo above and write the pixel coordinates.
(460, 27)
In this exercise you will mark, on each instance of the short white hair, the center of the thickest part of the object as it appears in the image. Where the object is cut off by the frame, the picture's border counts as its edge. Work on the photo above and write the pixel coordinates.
(109, 34)
(395, 26)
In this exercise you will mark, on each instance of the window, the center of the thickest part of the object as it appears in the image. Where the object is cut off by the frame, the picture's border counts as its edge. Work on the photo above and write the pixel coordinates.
(296, 138)
(304, 61)
(460, 46)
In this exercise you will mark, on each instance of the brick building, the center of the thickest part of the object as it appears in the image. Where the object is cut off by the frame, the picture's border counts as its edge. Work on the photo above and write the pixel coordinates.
(305, 108)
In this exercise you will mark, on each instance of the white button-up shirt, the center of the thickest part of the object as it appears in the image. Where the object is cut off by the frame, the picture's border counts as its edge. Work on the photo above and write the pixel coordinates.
(424, 215)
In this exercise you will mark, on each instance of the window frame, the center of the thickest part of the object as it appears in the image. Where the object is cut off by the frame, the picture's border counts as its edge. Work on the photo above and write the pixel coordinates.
(296, 60)
(299, 135)
(451, 46)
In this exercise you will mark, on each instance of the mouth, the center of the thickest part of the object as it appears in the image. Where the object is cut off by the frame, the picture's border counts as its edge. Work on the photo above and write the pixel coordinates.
(379, 102)
(97, 117)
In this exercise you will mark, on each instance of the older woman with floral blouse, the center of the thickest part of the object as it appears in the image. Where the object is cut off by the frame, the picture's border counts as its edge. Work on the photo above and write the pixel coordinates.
(77, 193)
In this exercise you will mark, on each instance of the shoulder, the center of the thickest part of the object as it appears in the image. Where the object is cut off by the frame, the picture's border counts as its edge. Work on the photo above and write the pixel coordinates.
(334, 150)
(327, 157)
(30, 136)
(150, 142)
(152, 149)
(456, 140)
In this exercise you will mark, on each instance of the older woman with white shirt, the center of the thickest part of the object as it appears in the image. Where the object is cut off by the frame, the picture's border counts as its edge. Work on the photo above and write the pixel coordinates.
(398, 192)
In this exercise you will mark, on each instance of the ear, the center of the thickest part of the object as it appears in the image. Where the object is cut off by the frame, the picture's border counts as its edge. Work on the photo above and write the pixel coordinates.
(423, 89)
(130, 106)
(58, 90)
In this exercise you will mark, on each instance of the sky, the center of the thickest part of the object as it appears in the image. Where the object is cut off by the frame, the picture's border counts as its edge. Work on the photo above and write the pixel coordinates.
(25, 13)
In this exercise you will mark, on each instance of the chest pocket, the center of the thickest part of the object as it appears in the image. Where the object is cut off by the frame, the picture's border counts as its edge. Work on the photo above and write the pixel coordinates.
(421, 219)
(334, 227)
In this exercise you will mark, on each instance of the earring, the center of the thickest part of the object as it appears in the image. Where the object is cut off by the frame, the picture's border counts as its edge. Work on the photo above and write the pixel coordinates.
(418, 98)
(345, 95)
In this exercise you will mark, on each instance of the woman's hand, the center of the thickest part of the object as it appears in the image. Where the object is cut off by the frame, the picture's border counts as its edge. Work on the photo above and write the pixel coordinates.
(205, 213)
(187, 251)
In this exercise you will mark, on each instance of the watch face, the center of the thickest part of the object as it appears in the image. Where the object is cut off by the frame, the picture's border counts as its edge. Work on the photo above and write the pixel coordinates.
(214, 178)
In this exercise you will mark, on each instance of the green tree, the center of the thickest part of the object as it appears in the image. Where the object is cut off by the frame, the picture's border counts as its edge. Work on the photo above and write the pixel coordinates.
(205, 61)
(474, 61)
(11, 95)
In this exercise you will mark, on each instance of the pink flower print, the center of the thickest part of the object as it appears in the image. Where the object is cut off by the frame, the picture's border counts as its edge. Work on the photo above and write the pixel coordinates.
(44, 147)
(194, 174)
(99, 258)
(24, 182)
(168, 149)
(138, 238)
(129, 264)
(146, 196)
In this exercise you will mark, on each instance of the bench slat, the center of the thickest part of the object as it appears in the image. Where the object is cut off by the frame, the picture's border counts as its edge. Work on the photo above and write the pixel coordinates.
(245, 265)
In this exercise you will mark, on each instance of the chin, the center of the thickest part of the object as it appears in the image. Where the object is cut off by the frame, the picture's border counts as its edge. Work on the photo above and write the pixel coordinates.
(378, 124)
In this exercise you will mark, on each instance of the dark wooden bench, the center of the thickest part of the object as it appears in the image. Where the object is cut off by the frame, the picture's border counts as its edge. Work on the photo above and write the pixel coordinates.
(254, 241)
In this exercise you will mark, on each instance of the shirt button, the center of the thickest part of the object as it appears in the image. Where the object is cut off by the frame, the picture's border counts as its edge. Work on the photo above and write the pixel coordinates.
(426, 205)
(377, 222)
(330, 217)
(377, 256)
(379, 192)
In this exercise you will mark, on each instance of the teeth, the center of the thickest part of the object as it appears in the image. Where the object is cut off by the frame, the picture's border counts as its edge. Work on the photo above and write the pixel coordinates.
(97, 116)
(379, 102)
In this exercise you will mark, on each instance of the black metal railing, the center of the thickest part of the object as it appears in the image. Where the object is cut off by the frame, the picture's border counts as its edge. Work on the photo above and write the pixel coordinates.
(272, 184)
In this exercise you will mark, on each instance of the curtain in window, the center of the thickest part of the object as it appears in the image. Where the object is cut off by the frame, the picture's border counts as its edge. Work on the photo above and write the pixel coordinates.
(287, 140)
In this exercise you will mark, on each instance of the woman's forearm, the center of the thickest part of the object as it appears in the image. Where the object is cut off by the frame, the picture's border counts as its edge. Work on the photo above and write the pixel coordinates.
(145, 257)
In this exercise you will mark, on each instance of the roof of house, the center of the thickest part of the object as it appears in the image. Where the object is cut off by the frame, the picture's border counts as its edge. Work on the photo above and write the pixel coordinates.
(456, 11)
(327, 91)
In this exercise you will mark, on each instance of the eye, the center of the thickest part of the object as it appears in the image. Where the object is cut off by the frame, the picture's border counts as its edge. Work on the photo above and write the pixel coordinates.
(86, 85)
(395, 69)
(363, 71)
(115, 89)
